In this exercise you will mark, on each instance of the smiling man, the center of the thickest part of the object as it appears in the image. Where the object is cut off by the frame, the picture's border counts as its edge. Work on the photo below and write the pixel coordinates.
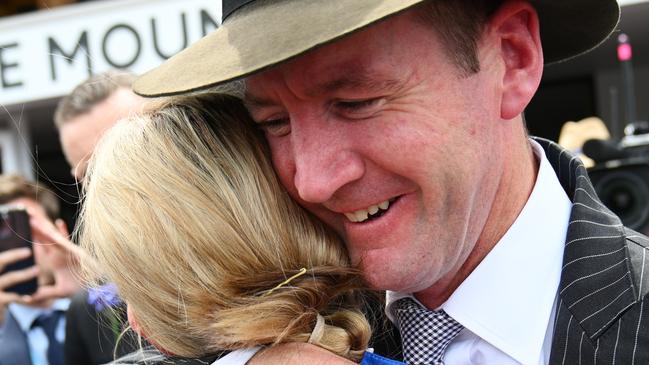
(400, 125)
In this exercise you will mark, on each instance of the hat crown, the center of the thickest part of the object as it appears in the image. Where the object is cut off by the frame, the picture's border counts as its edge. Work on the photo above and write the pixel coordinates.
(265, 33)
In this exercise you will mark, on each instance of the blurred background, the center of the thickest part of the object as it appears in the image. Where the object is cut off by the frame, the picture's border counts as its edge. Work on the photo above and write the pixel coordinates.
(12, 7)
(49, 46)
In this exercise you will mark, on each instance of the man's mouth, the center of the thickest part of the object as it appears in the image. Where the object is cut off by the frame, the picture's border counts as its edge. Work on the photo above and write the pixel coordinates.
(369, 213)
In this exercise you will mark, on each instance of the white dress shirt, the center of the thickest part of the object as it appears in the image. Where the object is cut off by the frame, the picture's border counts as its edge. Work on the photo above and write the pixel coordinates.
(507, 304)
(237, 357)
(37, 340)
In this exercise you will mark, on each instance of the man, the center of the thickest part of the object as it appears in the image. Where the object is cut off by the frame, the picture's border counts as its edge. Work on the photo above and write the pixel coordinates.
(89, 110)
(82, 117)
(32, 329)
(400, 124)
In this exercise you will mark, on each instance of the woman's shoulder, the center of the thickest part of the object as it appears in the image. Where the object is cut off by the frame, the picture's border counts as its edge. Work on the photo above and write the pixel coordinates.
(302, 353)
(297, 354)
(237, 357)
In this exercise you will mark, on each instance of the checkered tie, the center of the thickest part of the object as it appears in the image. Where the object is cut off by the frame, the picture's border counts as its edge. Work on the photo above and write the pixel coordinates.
(425, 334)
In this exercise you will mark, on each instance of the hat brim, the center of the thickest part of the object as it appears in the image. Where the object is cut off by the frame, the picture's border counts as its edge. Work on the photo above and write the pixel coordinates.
(570, 28)
(261, 35)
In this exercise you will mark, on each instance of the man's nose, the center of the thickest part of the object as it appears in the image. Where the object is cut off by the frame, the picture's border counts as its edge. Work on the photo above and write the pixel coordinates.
(325, 160)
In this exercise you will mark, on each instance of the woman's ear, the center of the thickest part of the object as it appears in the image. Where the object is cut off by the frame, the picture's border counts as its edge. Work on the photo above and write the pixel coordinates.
(135, 326)
(132, 322)
(516, 28)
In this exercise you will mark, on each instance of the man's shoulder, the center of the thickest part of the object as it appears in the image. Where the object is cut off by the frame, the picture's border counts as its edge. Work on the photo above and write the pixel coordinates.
(602, 316)
(79, 302)
(635, 239)
(637, 245)
(7, 322)
(13, 342)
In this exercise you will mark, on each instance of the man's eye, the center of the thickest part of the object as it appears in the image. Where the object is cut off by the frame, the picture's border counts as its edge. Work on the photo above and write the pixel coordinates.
(359, 108)
(276, 127)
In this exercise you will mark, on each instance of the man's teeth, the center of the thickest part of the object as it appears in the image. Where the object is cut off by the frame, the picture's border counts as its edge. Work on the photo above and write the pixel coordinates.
(364, 214)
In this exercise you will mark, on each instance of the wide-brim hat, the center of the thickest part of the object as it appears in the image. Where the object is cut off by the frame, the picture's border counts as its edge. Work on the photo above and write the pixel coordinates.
(257, 34)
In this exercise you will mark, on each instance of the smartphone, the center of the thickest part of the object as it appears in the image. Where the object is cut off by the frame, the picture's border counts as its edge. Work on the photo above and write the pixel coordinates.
(15, 232)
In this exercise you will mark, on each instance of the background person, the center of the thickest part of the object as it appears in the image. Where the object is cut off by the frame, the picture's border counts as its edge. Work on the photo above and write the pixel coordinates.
(406, 136)
(92, 108)
(182, 212)
(81, 118)
(32, 330)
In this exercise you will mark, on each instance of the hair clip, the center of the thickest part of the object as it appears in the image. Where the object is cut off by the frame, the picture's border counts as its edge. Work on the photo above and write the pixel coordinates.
(300, 273)
(318, 330)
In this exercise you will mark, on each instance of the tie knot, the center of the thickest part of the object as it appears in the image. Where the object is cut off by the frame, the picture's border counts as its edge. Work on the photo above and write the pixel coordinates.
(425, 333)
(48, 322)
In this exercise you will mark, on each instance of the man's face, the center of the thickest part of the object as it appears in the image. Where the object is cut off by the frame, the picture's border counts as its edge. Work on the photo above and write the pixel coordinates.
(382, 119)
(79, 135)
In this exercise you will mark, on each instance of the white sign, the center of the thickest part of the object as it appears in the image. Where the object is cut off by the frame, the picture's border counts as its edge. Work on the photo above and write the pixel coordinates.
(630, 2)
(45, 54)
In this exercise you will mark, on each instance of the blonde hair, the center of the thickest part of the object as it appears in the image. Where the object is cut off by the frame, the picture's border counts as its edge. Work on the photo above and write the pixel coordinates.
(183, 211)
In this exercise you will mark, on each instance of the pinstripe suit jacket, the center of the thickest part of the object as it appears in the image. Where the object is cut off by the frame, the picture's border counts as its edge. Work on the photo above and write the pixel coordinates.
(601, 317)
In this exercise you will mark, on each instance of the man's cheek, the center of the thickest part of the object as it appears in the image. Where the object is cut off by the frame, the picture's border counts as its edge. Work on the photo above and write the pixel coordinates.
(285, 169)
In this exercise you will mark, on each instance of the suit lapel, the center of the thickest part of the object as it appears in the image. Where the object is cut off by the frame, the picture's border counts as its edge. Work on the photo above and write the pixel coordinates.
(596, 282)
(14, 349)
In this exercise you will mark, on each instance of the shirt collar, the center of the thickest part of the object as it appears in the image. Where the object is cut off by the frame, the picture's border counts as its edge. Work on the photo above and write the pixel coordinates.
(508, 299)
(26, 315)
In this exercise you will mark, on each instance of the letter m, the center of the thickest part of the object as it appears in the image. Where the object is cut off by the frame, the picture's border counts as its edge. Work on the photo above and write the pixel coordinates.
(55, 51)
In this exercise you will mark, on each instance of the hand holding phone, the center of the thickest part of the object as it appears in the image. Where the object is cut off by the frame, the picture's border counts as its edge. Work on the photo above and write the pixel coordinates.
(17, 271)
(12, 278)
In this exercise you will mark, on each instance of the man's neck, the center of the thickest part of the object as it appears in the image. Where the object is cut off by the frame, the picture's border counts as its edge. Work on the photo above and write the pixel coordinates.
(515, 186)
(43, 304)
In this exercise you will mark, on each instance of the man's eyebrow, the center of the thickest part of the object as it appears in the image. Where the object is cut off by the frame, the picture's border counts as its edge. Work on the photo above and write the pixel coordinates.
(353, 81)
(358, 81)
(253, 102)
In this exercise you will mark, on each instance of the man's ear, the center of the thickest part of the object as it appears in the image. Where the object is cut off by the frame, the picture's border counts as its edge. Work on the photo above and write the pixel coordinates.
(62, 227)
(516, 26)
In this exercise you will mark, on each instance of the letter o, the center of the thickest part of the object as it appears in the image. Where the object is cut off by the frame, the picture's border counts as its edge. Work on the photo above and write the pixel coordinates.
(138, 41)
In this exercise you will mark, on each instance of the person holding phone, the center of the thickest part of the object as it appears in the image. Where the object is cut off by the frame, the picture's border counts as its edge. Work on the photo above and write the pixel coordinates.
(32, 329)
(182, 212)
(81, 118)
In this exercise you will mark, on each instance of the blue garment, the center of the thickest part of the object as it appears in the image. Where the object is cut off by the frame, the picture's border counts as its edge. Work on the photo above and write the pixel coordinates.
(373, 359)
(36, 338)
(49, 323)
(13, 343)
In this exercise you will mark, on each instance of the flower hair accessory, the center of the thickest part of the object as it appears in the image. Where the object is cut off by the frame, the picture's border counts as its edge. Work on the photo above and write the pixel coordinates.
(285, 282)
(104, 296)
(106, 299)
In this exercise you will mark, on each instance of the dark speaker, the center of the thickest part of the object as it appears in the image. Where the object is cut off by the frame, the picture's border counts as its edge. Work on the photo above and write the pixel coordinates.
(624, 188)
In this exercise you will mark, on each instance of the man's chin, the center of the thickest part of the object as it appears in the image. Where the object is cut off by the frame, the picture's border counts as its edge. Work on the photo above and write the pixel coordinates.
(45, 303)
(390, 274)
(385, 276)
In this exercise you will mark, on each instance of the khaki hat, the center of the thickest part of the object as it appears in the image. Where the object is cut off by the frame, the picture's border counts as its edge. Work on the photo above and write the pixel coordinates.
(257, 34)
(574, 134)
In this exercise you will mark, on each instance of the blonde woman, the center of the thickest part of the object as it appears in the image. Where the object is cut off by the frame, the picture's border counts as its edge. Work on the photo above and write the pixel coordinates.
(183, 212)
